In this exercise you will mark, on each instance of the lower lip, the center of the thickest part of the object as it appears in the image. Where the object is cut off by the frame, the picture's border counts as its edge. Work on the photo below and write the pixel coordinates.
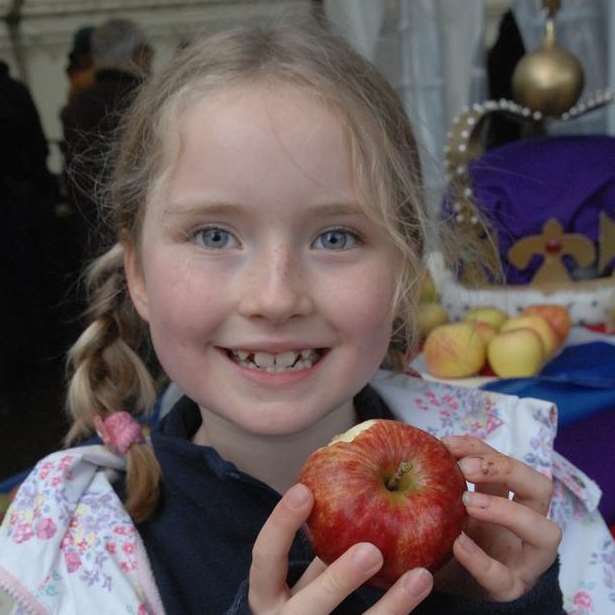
(280, 378)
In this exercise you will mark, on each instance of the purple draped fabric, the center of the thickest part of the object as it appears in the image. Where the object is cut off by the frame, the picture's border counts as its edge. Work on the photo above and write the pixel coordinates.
(519, 186)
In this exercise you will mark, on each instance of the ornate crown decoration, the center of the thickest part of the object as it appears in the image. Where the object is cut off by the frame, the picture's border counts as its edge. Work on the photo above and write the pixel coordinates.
(547, 84)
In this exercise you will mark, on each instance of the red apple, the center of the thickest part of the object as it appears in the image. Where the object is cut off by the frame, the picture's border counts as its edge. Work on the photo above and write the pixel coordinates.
(390, 484)
(557, 316)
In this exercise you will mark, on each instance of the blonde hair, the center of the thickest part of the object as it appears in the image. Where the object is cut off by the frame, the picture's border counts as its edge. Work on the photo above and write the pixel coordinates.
(108, 373)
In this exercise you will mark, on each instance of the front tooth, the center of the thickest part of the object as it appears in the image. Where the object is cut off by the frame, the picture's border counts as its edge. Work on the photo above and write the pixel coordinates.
(264, 359)
(285, 359)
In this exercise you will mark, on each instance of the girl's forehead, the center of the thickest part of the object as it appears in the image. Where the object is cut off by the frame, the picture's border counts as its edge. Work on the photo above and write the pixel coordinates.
(267, 107)
(280, 102)
(264, 127)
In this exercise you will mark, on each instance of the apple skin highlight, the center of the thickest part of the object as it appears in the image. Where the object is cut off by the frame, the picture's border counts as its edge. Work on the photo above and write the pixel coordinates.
(412, 512)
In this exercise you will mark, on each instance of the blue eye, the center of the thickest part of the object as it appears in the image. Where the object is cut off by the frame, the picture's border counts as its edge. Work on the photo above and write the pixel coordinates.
(335, 239)
(215, 238)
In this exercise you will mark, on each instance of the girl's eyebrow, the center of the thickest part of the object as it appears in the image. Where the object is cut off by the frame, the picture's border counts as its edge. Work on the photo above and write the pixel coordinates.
(338, 209)
(329, 209)
(191, 207)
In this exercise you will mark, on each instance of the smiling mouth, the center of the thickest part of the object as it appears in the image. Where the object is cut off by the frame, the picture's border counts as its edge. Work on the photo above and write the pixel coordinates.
(289, 361)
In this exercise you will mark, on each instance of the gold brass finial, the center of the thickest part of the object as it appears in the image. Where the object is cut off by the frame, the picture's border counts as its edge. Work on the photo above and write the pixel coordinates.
(550, 79)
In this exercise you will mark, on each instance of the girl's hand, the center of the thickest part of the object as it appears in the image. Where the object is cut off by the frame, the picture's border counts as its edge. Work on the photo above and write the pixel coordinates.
(508, 543)
(321, 588)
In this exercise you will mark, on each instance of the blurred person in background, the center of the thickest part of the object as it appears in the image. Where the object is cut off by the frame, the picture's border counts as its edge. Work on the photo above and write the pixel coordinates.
(28, 250)
(80, 68)
(24, 151)
(121, 59)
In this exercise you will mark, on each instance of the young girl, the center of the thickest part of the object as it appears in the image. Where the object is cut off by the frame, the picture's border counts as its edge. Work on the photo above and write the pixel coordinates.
(268, 231)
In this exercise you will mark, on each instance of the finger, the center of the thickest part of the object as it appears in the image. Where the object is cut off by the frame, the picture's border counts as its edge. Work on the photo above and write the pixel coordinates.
(409, 591)
(531, 488)
(338, 580)
(270, 552)
(540, 536)
(469, 446)
(497, 579)
(498, 474)
(314, 570)
(464, 446)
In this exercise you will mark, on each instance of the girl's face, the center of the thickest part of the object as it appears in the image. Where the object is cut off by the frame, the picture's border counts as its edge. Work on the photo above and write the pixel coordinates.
(267, 291)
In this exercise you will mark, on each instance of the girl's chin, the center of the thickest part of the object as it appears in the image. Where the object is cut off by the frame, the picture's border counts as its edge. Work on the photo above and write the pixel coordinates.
(277, 428)
(288, 419)
(263, 417)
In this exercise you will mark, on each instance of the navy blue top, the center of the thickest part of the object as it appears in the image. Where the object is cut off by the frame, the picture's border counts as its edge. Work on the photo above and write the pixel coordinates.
(200, 540)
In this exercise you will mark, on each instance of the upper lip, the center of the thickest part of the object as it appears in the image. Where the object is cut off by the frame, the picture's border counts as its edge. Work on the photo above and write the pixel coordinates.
(273, 347)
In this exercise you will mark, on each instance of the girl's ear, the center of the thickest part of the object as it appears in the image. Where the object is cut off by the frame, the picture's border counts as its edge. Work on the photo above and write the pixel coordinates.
(136, 281)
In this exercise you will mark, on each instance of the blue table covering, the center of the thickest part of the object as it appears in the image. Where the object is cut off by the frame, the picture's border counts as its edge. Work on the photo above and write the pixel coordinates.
(581, 381)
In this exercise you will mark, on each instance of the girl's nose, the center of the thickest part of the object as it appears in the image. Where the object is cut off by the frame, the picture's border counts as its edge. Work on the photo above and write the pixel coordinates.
(275, 289)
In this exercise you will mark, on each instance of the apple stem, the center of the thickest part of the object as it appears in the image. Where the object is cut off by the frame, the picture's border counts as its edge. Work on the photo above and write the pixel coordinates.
(393, 482)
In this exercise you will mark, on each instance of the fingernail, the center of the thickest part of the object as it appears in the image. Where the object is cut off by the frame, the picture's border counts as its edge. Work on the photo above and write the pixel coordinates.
(466, 543)
(475, 499)
(297, 496)
(367, 557)
(470, 465)
(417, 581)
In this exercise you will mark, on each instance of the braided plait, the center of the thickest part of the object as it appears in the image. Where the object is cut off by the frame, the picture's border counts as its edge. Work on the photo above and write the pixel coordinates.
(108, 375)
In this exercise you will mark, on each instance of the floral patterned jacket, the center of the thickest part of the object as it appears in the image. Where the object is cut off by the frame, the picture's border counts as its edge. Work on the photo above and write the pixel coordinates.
(67, 543)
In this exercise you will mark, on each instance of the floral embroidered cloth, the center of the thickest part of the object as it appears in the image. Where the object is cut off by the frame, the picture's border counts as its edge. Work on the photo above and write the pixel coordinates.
(67, 543)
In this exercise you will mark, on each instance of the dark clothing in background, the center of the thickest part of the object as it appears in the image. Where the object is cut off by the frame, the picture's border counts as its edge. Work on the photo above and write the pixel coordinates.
(29, 253)
(200, 541)
(24, 150)
(89, 121)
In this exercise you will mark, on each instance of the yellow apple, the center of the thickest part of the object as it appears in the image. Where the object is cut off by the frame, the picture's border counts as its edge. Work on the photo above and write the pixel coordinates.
(430, 316)
(486, 331)
(538, 324)
(491, 315)
(516, 353)
(454, 350)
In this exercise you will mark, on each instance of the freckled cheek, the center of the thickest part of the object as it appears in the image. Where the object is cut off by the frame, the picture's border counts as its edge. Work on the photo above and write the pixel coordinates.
(189, 315)
(375, 327)
(182, 309)
(368, 313)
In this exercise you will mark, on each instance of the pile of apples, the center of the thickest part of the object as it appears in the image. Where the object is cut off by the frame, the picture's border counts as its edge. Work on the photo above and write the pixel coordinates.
(488, 340)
